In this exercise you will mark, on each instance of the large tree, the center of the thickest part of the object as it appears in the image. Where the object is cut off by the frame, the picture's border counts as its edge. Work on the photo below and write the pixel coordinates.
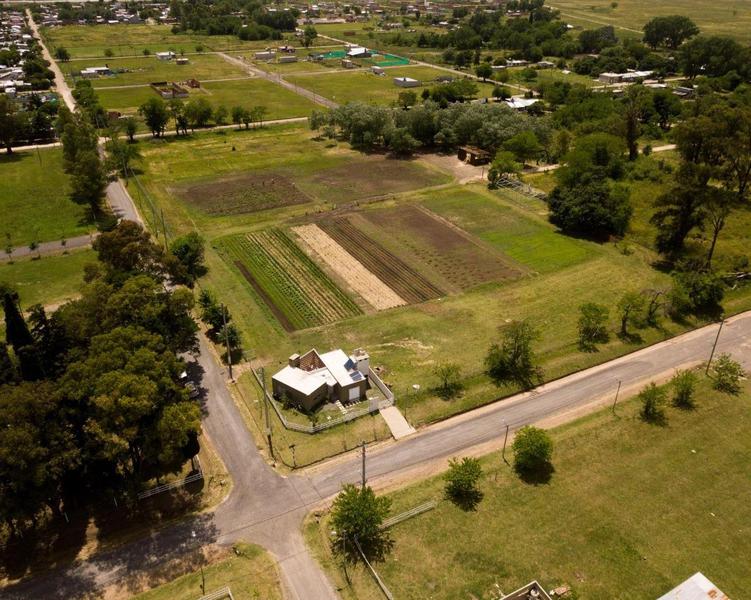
(155, 114)
(669, 31)
(513, 360)
(358, 514)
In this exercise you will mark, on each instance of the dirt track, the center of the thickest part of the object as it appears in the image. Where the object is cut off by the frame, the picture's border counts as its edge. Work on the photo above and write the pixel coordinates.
(368, 286)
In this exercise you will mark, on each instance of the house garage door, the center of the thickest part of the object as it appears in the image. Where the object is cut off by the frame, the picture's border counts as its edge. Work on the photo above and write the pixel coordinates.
(354, 394)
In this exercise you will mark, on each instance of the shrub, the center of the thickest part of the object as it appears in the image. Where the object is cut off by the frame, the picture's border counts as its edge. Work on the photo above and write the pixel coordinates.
(684, 386)
(727, 374)
(652, 399)
(593, 325)
(461, 482)
(533, 449)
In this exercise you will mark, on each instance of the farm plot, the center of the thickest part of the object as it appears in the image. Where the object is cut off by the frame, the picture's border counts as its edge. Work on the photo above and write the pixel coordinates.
(295, 289)
(244, 194)
(449, 252)
(399, 276)
(374, 291)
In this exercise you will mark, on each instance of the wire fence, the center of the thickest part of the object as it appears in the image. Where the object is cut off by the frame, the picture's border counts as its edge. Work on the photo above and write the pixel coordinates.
(224, 592)
(172, 484)
(521, 187)
(408, 514)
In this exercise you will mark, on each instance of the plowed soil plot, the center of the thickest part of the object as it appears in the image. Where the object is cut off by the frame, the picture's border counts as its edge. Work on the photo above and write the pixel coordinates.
(444, 248)
(399, 276)
(243, 194)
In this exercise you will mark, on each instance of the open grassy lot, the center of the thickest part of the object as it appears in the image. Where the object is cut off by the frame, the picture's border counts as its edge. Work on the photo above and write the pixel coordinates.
(34, 200)
(725, 17)
(365, 86)
(549, 76)
(249, 571)
(147, 69)
(49, 280)
(129, 40)
(280, 102)
(632, 509)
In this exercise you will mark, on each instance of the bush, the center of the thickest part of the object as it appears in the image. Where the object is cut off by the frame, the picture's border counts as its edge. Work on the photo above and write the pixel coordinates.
(593, 325)
(449, 376)
(696, 292)
(461, 482)
(727, 374)
(684, 386)
(652, 399)
(533, 449)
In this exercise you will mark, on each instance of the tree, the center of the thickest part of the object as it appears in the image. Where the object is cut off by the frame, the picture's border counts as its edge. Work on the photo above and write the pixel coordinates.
(503, 166)
(533, 450)
(669, 31)
(189, 252)
(358, 514)
(484, 70)
(16, 331)
(121, 155)
(198, 111)
(401, 142)
(309, 35)
(684, 386)
(461, 480)
(501, 92)
(514, 360)
(108, 52)
(727, 374)
(635, 103)
(630, 310)
(220, 115)
(131, 127)
(257, 114)
(592, 207)
(88, 180)
(128, 249)
(524, 146)
(9, 123)
(652, 399)
(449, 378)
(8, 373)
(696, 292)
(406, 99)
(239, 115)
(155, 114)
(593, 325)
(62, 54)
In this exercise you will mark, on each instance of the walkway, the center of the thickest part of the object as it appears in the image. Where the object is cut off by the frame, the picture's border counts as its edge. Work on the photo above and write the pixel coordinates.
(398, 425)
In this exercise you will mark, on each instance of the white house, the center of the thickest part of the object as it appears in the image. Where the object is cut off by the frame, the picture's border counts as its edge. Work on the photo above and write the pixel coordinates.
(406, 82)
(169, 55)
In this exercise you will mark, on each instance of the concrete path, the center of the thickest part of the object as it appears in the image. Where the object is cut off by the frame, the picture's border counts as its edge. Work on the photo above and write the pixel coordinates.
(47, 248)
(398, 425)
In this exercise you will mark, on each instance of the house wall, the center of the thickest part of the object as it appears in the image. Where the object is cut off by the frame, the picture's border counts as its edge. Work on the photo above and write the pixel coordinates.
(307, 402)
(343, 391)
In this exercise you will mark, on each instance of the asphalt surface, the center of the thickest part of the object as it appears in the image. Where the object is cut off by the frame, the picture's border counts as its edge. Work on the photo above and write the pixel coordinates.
(46, 248)
(267, 508)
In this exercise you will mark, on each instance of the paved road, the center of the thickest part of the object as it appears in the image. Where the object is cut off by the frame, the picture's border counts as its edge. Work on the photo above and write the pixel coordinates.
(279, 80)
(267, 508)
(60, 84)
(46, 248)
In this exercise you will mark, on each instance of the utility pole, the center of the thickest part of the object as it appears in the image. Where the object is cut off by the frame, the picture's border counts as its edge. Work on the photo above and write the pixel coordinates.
(203, 581)
(616, 395)
(362, 445)
(266, 412)
(505, 439)
(164, 227)
(714, 346)
(226, 341)
(294, 462)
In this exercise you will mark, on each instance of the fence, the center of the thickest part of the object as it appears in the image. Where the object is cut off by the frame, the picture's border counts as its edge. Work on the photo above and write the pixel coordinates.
(408, 514)
(521, 187)
(346, 418)
(224, 592)
(172, 484)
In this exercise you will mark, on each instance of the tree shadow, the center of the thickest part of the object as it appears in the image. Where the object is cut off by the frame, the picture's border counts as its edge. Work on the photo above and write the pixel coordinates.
(658, 419)
(630, 337)
(537, 476)
(374, 551)
(468, 501)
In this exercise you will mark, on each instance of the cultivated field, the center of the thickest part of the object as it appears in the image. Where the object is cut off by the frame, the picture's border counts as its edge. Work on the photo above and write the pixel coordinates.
(620, 518)
(369, 287)
(724, 17)
(293, 288)
(34, 201)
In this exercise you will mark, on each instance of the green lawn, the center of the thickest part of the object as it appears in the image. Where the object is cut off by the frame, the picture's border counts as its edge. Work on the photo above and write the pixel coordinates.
(49, 280)
(250, 572)
(632, 510)
(147, 69)
(725, 17)
(34, 200)
(365, 86)
(129, 40)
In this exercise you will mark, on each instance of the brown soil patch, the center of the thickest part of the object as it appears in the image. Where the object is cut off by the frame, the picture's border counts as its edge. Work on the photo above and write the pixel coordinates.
(400, 277)
(443, 247)
(243, 194)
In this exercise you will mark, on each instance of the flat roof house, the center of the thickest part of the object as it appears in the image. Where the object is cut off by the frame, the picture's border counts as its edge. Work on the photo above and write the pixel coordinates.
(313, 378)
(165, 55)
(696, 587)
(406, 82)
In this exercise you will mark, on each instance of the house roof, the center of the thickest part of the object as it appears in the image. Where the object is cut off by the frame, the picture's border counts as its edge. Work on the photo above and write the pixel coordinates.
(696, 587)
(337, 368)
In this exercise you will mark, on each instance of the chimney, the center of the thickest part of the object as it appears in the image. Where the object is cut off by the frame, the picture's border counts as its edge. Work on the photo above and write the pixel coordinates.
(294, 361)
(362, 361)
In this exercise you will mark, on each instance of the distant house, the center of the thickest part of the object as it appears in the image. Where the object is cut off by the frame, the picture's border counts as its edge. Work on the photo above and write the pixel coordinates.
(265, 55)
(545, 64)
(348, 64)
(165, 55)
(358, 52)
(94, 72)
(516, 62)
(696, 587)
(521, 103)
(406, 82)
(531, 591)
(182, 61)
(287, 49)
(684, 92)
(473, 155)
(313, 378)
(377, 70)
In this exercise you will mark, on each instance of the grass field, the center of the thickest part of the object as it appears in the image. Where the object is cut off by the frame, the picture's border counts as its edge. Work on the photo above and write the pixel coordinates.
(632, 510)
(725, 17)
(34, 200)
(129, 40)
(250, 572)
(364, 86)
(147, 69)
(48, 280)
